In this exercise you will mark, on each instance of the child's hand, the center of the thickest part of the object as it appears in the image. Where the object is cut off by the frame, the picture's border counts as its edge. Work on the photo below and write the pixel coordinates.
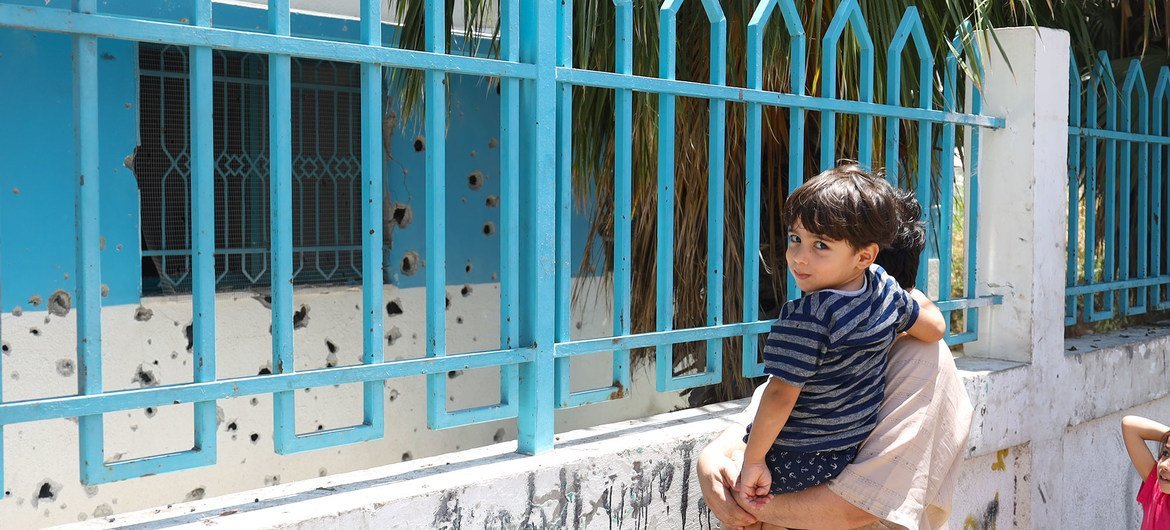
(754, 483)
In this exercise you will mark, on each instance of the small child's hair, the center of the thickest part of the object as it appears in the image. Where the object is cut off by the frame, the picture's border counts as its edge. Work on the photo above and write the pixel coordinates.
(846, 203)
(900, 259)
(1165, 439)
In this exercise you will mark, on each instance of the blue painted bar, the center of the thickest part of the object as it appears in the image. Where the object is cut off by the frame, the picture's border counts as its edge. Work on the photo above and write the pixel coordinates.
(1117, 285)
(664, 314)
(112, 401)
(752, 365)
(716, 152)
(88, 301)
(203, 235)
(1157, 167)
(848, 13)
(623, 208)
(946, 170)
(623, 191)
(436, 216)
(1110, 250)
(972, 210)
(1125, 124)
(1091, 118)
(1074, 170)
(373, 392)
(564, 169)
(909, 27)
(674, 87)
(1136, 79)
(798, 59)
(280, 214)
(510, 230)
(538, 116)
(113, 27)
(1118, 135)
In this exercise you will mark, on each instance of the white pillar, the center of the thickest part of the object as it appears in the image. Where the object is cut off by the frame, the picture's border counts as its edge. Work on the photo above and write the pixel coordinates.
(1022, 206)
(1023, 215)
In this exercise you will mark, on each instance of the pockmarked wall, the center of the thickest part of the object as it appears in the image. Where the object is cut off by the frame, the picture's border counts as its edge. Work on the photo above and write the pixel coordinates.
(146, 338)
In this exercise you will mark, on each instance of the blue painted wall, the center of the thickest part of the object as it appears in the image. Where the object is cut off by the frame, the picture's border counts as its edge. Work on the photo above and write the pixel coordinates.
(37, 158)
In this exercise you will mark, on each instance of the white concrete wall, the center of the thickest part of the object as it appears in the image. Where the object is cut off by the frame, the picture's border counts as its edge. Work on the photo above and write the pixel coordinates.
(146, 351)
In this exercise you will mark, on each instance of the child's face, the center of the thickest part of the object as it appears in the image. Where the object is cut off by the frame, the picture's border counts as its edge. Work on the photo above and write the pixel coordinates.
(820, 263)
(1164, 468)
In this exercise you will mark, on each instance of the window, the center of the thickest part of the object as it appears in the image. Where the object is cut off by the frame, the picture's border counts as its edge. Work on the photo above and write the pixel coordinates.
(326, 149)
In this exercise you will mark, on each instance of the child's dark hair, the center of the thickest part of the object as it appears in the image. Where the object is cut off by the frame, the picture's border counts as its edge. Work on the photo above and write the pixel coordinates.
(846, 203)
(900, 260)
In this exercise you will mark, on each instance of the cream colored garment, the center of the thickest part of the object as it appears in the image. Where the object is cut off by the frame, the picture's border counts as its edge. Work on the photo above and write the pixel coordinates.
(905, 472)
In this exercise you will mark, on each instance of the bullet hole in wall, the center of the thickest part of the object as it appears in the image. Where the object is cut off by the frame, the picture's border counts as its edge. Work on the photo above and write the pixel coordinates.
(144, 377)
(410, 263)
(489, 228)
(420, 143)
(492, 201)
(254, 437)
(330, 346)
(402, 214)
(143, 314)
(475, 180)
(466, 290)
(59, 303)
(188, 333)
(65, 367)
(393, 335)
(34, 300)
(301, 317)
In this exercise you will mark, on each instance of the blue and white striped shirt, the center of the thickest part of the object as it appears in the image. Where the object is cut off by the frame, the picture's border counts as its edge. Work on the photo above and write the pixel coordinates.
(834, 345)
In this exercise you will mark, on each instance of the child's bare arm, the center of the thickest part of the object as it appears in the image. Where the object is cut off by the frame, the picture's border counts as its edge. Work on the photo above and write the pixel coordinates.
(775, 406)
(1136, 430)
(930, 325)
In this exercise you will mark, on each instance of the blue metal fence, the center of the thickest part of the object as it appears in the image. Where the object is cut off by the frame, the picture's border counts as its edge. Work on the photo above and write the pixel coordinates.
(535, 350)
(1116, 263)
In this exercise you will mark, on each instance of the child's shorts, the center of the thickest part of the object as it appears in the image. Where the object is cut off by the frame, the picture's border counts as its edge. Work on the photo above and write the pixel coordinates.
(796, 470)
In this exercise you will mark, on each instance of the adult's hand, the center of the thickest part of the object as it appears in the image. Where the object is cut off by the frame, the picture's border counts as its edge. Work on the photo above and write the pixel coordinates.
(718, 472)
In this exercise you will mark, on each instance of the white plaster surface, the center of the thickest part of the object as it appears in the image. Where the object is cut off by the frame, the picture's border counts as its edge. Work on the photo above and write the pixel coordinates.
(42, 364)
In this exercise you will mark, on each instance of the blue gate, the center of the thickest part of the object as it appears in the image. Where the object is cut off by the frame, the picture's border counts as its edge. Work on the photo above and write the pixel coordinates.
(535, 350)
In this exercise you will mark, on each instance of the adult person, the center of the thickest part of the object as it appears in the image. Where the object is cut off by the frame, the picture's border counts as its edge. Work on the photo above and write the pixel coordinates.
(904, 473)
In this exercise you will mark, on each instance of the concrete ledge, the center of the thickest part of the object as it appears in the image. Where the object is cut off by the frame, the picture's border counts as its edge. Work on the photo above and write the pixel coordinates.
(638, 473)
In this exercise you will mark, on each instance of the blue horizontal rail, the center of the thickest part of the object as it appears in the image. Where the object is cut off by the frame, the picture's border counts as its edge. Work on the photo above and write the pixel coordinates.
(115, 400)
(810, 103)
(122, 28)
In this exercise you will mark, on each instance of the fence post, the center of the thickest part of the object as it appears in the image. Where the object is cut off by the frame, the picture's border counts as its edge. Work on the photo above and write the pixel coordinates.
(538, 116)
(1023, 214)
(1023, 220)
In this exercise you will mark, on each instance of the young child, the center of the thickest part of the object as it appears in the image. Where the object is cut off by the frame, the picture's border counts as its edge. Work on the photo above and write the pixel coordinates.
(1154, 495)
(827, 352)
